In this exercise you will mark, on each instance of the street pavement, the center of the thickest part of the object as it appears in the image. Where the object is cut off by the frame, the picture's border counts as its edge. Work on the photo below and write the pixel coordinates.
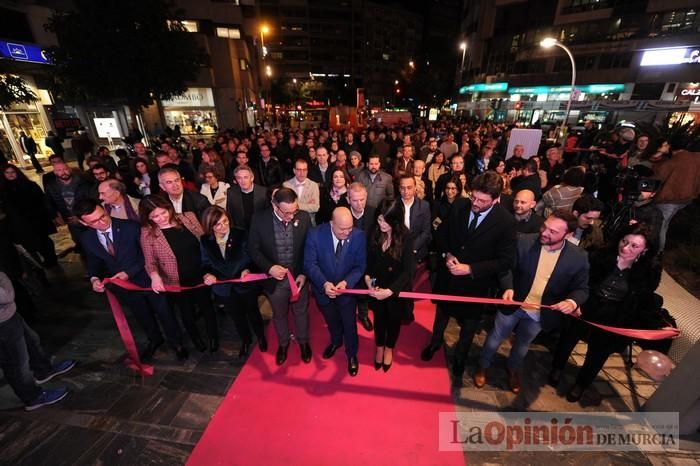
(115, 417)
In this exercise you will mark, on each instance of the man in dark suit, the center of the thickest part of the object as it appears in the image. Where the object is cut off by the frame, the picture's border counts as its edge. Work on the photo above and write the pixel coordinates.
(528, 221)
(479, 242)
(363, 218)
(245, 197)
(335, 257)
(417, 219)
(113, 246)
(276, 245)
(170, 182)
(548, 270)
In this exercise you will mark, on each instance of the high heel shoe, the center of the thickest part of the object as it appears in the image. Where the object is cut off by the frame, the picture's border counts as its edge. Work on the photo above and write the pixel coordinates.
(377, 365)
(386, 366)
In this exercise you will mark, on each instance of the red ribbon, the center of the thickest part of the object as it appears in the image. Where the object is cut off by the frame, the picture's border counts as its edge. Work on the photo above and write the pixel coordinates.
(133, 361)
(638, 334)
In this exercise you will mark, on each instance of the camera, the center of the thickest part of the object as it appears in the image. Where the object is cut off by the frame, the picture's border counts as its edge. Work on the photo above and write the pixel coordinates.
(630, 183)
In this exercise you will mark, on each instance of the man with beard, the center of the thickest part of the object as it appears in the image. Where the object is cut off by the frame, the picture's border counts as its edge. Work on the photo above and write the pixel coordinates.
(379, 184)
(589, 232)
(524, 212)
(63, 192)
(548, 270)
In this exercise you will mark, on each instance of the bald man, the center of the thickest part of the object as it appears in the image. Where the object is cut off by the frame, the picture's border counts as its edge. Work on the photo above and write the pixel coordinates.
(524, 212)
(335, 257)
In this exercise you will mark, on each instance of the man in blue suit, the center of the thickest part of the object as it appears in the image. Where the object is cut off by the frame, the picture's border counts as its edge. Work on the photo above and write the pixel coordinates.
(335, 257)
(549, 270)
(113, 250)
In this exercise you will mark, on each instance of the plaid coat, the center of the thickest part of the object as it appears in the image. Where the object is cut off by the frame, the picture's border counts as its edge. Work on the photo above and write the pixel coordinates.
(157, 253)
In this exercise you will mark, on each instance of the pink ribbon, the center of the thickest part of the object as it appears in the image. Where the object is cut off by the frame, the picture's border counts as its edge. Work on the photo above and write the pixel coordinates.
(638, 334)
(133, 360)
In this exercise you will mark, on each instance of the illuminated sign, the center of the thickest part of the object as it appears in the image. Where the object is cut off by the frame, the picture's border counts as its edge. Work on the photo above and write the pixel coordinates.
(670, 56)
(192, 97)
(23, 52)
(483, 87)
(588, 88)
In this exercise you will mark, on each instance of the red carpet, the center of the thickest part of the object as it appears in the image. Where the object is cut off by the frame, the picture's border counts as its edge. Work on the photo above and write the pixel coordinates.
(316, 414)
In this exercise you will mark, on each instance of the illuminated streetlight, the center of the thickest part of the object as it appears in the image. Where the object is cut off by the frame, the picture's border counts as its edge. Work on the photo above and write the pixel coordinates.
(396, 82)
(411, 64)
(550, 42)
(294, 80)
(263, 30)
(268, 70)
(463, 48)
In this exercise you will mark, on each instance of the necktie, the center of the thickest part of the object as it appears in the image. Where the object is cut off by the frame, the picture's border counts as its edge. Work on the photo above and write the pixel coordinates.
(108, 241)
(338, 250)
(473, 223)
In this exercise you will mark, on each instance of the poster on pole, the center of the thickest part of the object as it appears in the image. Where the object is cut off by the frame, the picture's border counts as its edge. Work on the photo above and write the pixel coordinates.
(528, 138)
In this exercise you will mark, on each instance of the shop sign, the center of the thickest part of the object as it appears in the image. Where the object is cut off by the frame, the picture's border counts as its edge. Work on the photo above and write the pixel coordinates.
(587, 88)
(483, 87)
(192, 97)
(671, 56)
(23, 52)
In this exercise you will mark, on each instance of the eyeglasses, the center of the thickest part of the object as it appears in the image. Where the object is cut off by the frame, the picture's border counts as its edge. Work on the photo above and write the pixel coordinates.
(100, 219)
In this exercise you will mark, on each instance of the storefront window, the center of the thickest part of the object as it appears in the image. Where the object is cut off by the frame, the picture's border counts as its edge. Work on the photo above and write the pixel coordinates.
(192, 121)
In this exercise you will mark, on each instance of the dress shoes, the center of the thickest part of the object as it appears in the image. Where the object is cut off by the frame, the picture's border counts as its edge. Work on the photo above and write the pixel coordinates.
(245, 349)
(330, 351)
(554, 377)
(575, 394)
(513, 381)
(262, 343)
(282, 354)
(378, 365)
(181, 353)
(149, 351)
(353, 366)
(429, 351)
(305, 352)
(480, 377)
(366, 323)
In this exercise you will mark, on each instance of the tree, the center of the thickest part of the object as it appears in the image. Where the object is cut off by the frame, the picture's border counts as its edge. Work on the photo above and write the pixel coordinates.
(14, 90)
(123, 52)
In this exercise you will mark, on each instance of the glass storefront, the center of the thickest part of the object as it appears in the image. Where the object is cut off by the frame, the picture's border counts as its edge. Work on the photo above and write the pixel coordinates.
(192, 121)
(28, 122)
(193, 111)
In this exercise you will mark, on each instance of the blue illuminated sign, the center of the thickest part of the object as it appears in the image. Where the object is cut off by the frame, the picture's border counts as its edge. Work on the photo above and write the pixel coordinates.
(23, 52)
(483, 87)
(587, 88)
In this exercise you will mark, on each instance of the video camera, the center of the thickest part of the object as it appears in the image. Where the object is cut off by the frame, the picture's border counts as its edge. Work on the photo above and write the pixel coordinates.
(630, 183)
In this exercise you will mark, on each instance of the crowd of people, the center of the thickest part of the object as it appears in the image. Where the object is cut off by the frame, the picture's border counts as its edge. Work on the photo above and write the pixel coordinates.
(326, 211)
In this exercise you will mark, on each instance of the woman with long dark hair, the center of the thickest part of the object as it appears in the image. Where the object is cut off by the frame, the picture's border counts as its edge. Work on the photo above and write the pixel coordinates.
(335, 195)
(30, 222)
(389, 264)
(224, 257)
(622, 281)
(171, 250)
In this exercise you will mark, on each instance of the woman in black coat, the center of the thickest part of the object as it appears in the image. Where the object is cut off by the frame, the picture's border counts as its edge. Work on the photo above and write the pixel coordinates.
(622, 281)
(30, 221)
(334, 195)
(389, 265)
(224, 257)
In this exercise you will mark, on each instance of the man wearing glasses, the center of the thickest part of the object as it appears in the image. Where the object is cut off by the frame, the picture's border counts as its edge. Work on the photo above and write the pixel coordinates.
(276, 245)
(113, 249)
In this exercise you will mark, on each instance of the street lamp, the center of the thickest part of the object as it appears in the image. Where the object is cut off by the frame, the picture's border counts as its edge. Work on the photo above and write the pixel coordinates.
(268, 71)
(548, 43)
(411, 64)
(463, 48)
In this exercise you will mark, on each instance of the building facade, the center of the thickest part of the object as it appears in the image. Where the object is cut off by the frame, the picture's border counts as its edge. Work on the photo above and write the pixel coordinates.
(618, 47)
